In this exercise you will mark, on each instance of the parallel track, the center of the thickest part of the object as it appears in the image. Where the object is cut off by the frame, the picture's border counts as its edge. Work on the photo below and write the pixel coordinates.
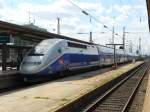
(119, 97)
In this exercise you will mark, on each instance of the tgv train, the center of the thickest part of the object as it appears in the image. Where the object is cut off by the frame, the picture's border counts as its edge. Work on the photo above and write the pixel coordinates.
(58, 55)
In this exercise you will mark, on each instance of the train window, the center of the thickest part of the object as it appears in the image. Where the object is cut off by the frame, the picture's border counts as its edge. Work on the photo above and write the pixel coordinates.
(76, 45)
(42, 48)
(31, 63)
(59, 50)
(34, 52)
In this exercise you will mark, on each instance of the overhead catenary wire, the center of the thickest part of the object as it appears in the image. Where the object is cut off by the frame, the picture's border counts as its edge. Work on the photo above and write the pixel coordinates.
(92, 17)
(86, 13)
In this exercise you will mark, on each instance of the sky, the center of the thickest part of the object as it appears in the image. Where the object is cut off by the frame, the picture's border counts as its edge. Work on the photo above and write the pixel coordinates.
(131, 14)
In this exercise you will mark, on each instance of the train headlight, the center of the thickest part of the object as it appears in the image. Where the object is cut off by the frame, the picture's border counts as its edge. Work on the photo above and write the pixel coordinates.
(61, 61)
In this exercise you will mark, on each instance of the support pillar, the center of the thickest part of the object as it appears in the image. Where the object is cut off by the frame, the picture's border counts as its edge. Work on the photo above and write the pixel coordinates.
(4, 57)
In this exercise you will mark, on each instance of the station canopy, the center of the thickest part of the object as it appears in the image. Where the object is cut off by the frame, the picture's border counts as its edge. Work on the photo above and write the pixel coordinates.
(148, 11)
(32, 34)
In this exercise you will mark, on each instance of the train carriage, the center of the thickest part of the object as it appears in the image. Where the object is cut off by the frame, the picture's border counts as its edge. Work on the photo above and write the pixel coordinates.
(57, 55)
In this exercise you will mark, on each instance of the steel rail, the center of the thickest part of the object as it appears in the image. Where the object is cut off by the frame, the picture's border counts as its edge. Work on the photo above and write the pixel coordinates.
(94, 104)
(134, 91)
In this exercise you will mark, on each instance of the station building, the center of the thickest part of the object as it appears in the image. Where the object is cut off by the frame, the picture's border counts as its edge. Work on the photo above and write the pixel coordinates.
(9, 38)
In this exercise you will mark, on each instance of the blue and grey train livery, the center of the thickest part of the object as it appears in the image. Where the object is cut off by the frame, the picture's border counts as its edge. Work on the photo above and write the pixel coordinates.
(57, 55)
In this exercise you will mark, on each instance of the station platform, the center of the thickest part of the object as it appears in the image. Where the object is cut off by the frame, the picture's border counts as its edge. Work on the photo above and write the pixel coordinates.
(51, 96)
(12, 71)
(8, 72)
(146, 106)
(9, 78)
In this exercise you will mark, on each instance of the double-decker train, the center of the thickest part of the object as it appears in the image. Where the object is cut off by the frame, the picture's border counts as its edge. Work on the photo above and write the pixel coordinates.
(57, 55)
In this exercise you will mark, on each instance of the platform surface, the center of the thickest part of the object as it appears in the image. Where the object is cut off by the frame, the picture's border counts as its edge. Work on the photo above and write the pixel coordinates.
(8, 72)
(51, 96)
(146, 106)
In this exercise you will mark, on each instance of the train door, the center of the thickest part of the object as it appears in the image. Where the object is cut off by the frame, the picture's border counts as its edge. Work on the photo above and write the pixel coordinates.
(99, 56)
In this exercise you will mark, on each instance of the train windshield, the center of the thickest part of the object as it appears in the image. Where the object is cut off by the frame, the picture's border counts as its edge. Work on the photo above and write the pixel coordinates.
(42, 48)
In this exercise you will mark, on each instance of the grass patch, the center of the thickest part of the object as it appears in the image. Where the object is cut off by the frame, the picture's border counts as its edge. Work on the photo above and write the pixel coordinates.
(24, 96)
(64, 99)
(39, 97)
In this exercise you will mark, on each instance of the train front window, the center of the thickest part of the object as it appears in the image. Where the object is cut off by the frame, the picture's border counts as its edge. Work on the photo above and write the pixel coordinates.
(41, 48)
(31, 63)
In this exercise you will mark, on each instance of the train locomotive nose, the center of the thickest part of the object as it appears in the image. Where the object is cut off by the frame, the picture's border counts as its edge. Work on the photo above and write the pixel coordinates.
(32, 64)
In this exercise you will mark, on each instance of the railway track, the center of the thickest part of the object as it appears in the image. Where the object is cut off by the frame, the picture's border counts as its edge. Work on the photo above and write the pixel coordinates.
(118, 98)
(138, 101)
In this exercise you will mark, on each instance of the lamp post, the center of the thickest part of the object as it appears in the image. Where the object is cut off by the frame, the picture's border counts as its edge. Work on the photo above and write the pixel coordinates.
(115, 59)
(87, 14)
(58, 26)
(139, 42)
(90, 35)
(113, 36)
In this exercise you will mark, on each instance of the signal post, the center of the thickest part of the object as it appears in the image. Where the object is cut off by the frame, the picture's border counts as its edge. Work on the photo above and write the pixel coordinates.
(115, 59)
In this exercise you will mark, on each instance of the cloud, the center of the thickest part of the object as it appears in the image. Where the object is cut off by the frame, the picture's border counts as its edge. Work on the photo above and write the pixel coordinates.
(72, 19)
(1, 4)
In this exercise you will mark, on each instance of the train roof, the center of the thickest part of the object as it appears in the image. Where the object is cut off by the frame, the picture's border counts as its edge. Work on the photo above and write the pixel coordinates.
(58, 40)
